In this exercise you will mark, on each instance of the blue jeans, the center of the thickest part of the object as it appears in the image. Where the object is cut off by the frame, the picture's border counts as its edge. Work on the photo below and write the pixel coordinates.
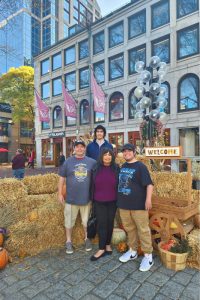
(19, 173)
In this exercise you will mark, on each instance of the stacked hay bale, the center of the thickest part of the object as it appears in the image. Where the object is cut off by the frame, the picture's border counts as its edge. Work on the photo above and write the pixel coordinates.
(194, 241)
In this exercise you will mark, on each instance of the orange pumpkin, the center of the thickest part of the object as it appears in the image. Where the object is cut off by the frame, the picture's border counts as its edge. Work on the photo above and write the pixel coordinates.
(122, 247)
(3, 258)
(1, 239)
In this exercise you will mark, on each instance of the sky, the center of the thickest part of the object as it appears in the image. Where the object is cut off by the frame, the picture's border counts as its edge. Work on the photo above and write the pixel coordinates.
(108, 6)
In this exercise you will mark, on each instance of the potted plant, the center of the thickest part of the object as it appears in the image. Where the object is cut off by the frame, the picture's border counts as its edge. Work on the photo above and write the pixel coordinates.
(196, 175)
(174, 253)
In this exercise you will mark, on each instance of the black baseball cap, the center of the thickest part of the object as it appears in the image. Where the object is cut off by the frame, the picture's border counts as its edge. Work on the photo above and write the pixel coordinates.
(79, 142)
(128, 147)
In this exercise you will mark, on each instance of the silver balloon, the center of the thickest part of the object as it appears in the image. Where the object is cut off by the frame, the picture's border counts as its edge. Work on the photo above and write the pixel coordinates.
(154, 88)
(163, 117)
(154, 114)
(139, 66)
(163, 66)
(163, 91)
(161, 102)
(139, 116)
(139, 92)
(154, 62)
(145, 102)
(139, 82)
(138, 106)
(145, 76)
(161, 75)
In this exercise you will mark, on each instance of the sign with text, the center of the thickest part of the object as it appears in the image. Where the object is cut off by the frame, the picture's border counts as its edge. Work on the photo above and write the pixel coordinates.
(57, 134)
(163, 151)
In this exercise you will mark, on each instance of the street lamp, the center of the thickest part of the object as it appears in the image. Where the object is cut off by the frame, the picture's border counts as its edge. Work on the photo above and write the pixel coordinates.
(151, 95)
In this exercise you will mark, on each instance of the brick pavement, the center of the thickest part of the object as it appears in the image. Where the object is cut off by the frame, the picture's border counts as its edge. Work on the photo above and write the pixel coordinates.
(6, 171)
(56, 275)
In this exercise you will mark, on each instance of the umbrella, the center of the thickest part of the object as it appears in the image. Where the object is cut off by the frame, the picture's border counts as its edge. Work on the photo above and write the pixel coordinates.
(3, 150)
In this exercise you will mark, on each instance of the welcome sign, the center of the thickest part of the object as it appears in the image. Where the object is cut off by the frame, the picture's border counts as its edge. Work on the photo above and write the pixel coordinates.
(163, 151)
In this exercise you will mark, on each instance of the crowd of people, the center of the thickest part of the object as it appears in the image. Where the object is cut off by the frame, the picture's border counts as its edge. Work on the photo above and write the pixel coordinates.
(93, 179)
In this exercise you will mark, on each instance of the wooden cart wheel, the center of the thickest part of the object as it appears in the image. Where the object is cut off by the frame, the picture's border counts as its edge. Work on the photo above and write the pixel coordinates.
(164, 227)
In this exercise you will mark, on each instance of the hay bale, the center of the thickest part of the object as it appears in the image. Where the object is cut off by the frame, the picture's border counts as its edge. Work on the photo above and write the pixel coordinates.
(12, 190)
(32, 202)
(41, 184)
(194, 241)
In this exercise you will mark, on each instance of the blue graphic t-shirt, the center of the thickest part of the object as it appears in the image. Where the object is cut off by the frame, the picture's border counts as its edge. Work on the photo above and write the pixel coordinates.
(132, 187)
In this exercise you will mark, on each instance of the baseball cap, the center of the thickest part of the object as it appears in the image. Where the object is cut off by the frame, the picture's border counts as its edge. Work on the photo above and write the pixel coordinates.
(128, 147)
(79, 142)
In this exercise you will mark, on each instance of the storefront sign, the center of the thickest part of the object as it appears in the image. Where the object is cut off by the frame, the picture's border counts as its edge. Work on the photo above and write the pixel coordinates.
(57, 134)
(163, 151)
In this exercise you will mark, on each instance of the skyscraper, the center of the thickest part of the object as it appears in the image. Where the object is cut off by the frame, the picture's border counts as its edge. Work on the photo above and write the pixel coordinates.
(29, 26)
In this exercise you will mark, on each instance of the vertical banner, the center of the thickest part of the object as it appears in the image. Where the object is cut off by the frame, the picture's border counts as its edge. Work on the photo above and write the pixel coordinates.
(43, 109)
(98, 95)
(69, 102)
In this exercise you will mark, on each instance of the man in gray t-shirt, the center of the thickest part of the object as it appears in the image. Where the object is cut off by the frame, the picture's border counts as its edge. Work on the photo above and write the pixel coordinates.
(76, 170)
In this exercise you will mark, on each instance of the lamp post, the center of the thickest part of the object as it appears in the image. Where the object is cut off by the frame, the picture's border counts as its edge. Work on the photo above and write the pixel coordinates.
(151, 95)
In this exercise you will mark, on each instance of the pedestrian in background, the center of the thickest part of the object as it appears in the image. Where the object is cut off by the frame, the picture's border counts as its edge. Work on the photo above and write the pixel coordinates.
(134, 200)
(104, 194)
(18, 164)
(94, 148)
(61, 159)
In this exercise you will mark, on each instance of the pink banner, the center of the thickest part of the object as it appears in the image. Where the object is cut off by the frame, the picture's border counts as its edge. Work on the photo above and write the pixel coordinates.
(69, 102)
(98, 95)
(43, 109)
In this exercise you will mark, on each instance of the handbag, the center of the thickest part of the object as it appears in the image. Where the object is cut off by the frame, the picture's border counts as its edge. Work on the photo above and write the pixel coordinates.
(92, 224)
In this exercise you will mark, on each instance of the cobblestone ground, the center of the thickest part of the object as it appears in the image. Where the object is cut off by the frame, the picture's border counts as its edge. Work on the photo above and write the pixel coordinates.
(56, 275)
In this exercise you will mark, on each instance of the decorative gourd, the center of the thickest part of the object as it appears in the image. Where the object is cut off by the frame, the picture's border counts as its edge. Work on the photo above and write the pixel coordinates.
(122, 247)
(33, 216)
(118, 236)
(3, 258)
(197, 221)
(1, 239)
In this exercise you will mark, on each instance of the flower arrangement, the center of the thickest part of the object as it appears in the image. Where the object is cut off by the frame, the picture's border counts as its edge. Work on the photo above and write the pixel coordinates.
(177, 246)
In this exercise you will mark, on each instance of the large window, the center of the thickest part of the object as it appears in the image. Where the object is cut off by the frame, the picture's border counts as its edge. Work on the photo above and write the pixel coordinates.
(188, 41)
(134, 55)
(57, 117)
(137, 24)
(45, 90)
(26, 129)
(83, 78)
(83, 49)
(160, 14)
(116, 66)
(186, 7)
(132, 104)
(70, 55)
(189, 140)
(98, 42)
(56, 86)
(84, 112)
(161, 48)
(70, 81)
(45, 66)
(56, 61)
(188, 93)
(116, 34)
(99, 71)
(116, 107)
(49, 32)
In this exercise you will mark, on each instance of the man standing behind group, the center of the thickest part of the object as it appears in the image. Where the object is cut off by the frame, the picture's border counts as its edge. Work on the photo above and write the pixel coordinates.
(134, 200)
(94, 148)
(76, 170)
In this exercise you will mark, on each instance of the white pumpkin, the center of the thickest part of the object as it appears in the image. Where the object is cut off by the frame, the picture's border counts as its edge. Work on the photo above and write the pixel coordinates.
(119, 235)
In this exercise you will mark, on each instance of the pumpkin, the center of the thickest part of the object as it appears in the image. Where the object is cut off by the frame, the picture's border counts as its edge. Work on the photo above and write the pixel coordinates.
(1, 239)
(197, 221)
(33, 216)
(173, 225)
(3, 258)
(122, 247)
(118, 236)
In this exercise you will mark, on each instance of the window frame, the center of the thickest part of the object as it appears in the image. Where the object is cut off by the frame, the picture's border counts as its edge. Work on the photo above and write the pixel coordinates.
(43, 83)
(159, 3)
(79, 72)
(81, 123)
(143, 46)
(65, 76)
(177, 11)
(65, 50)
(53, 56)
(94, 36)
(129, 98)
(53, 80)
(98, 63)
(160, 39)
(129, 20)
(109, 30)
(178, 41)
(110, 119)
(79, 47)
(53, 117)
(113, 57)
(43, 61)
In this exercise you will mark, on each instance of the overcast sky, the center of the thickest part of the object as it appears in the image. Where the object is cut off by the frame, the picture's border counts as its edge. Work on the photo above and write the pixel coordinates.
(109, 5)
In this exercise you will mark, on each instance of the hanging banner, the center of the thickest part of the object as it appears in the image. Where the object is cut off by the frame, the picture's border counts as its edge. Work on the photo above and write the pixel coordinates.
(69, 102)
(98, 95)
(43, 109)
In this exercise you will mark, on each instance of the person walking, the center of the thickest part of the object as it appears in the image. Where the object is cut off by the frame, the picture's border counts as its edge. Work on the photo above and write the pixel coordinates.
(31, 159)
(94, 148)
(18, 164)
(134, 201)
(61, 159)
(104, 194)
(76, 170)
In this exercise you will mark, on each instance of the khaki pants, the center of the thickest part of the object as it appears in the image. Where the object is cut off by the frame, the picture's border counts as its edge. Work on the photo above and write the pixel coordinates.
(136, 224)
(71, 212)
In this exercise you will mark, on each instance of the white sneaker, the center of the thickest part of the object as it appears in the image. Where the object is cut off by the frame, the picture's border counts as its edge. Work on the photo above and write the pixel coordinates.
(147, 263)
(129, 255)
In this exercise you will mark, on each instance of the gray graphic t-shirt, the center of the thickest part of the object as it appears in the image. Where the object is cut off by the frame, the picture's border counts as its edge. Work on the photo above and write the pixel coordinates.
(78, 174)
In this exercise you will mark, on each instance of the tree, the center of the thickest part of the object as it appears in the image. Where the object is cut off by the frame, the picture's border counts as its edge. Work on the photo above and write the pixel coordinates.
(17, 89)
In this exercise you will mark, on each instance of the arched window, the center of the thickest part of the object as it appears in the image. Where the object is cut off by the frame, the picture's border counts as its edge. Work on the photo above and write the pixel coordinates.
(188, 93)
(116, 107)
(84, 112)
(132, 101)
(167, 96)
(57, 117)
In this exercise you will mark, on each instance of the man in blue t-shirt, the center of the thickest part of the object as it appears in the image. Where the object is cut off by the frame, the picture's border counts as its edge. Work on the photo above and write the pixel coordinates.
(94, 148)
(134, 200)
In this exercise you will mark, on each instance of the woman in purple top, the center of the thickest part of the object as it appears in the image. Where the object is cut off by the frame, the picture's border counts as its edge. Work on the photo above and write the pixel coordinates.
(104, 194)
